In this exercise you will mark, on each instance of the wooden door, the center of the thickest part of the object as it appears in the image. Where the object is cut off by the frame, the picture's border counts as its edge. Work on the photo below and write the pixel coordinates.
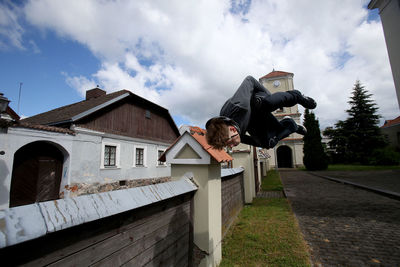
(36, 174)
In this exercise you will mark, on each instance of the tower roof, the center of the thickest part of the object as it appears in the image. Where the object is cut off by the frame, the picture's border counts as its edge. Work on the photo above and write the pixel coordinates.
(276, 73)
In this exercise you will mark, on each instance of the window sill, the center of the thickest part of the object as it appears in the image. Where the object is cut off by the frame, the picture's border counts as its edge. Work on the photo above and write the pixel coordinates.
(161, 166)
(110, 168)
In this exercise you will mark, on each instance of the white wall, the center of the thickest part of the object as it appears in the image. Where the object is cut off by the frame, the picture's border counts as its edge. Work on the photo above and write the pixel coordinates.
(18, 137)
(243, 157)
(296, 147)
(390, 16)
(87, 158)
(82, 157)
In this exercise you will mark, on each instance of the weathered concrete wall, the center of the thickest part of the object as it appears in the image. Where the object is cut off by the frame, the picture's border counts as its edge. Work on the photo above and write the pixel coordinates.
(83, 160)
(77, 189)
(86, 163)
(18, 137)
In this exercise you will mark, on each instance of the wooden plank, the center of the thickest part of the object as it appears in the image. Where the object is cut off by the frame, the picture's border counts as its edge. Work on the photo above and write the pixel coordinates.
(232, 200)
(160, 246)
(110, 245)
(48, 249)
(141, 250)
(129, 119)
(174, 254)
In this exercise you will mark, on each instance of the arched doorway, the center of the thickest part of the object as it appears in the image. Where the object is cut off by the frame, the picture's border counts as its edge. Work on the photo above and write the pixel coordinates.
(36, 174)
(284, 154)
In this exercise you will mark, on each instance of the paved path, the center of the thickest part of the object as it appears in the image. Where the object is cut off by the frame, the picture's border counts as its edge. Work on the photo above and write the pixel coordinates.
(344, 225)
(384, 180)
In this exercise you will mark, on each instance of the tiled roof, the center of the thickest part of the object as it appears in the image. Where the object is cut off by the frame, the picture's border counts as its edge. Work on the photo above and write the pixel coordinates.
(276, 73)
(66, 113)
(44, 128)
(200, 136)
(393, 122)
(12, 113)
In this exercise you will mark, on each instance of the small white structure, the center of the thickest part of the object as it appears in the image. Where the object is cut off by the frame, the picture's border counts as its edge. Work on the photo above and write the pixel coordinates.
(191, 156)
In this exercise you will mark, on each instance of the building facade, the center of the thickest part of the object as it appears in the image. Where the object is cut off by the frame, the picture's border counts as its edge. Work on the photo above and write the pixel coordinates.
(391, 129)
(288, 153)
(389, 11)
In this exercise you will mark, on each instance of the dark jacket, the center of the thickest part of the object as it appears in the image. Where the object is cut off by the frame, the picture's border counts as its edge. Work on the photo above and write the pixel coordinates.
(239, 108)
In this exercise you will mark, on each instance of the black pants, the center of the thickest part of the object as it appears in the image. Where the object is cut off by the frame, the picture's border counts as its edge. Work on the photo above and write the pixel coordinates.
(264, 128)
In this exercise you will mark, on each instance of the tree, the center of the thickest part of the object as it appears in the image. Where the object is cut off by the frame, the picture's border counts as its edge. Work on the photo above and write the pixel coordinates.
(314, 154)
(339, 140)
(359, 135)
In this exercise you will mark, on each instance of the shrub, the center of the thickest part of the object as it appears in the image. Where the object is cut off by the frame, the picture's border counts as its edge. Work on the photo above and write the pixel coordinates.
(384, 156)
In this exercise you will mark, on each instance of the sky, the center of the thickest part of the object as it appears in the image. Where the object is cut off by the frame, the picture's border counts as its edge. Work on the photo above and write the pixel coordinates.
(190, 56)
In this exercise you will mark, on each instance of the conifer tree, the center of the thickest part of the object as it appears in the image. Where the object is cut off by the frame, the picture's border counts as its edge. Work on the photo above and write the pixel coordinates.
(359, 135)
(364, 134)
(314, 154)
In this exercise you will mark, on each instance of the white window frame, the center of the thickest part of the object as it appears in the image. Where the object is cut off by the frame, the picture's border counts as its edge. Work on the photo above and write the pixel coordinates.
(162, 164)
(144, 156)
(117, 155)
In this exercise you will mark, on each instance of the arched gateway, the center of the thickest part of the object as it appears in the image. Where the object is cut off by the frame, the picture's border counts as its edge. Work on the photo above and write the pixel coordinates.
(284, 154)
(36, 175)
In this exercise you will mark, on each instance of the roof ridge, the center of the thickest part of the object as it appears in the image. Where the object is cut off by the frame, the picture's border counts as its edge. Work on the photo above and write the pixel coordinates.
(276, 73)
(112, 95)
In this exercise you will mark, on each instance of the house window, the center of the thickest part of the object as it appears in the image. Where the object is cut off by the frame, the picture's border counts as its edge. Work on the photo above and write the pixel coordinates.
(139, 157)
(148, 114)
(160, 163)
(110, 155)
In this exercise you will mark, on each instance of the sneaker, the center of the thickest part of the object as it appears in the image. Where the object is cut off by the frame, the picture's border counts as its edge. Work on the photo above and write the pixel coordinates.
(307, 102)
(303, 100)
(301, 129)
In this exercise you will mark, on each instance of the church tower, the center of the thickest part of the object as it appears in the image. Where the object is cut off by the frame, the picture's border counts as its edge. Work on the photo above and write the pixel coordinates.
(288, 153)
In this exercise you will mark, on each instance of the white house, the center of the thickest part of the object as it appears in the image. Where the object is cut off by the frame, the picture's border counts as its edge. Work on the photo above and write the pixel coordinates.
(105, 142)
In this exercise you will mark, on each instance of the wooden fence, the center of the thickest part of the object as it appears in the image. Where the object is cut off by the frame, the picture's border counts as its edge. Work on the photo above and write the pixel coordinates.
(157, 232)
(232, 188)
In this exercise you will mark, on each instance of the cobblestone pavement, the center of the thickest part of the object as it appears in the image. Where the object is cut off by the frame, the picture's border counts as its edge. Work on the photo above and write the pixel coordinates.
(344, 225)
(385, 179)
(271, 194)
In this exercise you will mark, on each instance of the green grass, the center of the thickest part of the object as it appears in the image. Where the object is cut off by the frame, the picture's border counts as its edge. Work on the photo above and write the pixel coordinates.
(271, 182)
(355, 167)
(265, 234)
(343, 167)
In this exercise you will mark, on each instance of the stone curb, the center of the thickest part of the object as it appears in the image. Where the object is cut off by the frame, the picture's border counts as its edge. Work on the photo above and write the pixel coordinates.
(385, 193)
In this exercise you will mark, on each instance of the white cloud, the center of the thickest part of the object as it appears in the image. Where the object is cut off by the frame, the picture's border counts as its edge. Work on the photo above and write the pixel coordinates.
(10, 30)
(198, 52)
(81, 83)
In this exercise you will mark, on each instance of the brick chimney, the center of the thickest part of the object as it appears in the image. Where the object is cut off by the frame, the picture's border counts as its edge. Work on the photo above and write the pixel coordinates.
(95, 92)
